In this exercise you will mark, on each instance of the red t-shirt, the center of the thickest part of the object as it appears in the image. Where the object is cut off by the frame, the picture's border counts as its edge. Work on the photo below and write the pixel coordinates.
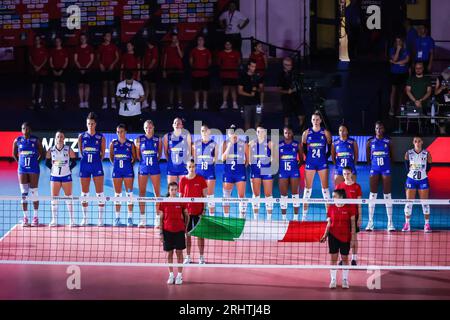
(200, 65)
(59, 57)
(229, 64)
(352, 191)
(193, 188)
(173, 220)
(341, 221)
(38, 56)
(150, 55)
(260, 62)
(174, 61)
(84, 55)
(130, 62)
(107, 54)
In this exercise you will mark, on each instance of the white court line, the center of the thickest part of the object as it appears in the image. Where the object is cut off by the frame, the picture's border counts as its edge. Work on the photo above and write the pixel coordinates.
(7, 233)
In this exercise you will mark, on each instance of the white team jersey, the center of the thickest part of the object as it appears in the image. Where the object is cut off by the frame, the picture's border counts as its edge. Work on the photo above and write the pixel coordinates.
(60, 161)
(417, 164)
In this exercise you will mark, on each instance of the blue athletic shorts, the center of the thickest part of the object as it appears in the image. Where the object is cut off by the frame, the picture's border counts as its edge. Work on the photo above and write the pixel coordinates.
(91, 171)
(234, 178)
(417, 184)
(149, 171)
(119, 174)
(383, 171)
(256, 173)
(61, 179)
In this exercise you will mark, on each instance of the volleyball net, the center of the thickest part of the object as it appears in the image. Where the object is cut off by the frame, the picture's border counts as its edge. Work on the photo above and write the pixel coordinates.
(238, 233)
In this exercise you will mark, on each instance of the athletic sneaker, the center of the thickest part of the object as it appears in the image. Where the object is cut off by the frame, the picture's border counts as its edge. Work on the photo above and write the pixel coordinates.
(205, 107)
(406, 227)
(84, 222)
(224, 106)
(141, 224)
(295, 217)
(130, 222)
(390, 227)
(100, 223)
(179, 279)
(235, 106)
(201, 260)
(116, 222)
(145, 104)
(53, 223)
(187, 260)
(25, 222)
(113, 105)
(269, 217)
(354, 263)
(197, 106)
(180, 106)
(427, 228)
(333, 284)
(171, 279)
(304, 217)
(72, 224)
(345, 284)
(370, 226)
(154, 105)
(35, 222)
(169, 108)
(105, 106)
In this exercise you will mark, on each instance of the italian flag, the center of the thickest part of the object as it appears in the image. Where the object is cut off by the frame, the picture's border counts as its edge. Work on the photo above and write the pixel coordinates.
(235, 229)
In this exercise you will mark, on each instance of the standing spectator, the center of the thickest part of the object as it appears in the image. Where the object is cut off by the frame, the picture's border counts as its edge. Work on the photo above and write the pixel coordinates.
(173, 70)
(250, 86)
(83, 57)
(399, 59)
(59, 59)
(424, 49)
(290, 95)
(233, 21)
(130, 94)
(38, 59)
(353, 27)
(411, 36)
(229, 61)
(150, 73)
(442, 93)
(108, 57)
(418, 87)
(260, 57)
(200, 61)
(130, 62)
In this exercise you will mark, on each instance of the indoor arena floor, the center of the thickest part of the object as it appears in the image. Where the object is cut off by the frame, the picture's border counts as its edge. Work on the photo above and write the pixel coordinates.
(63, 245)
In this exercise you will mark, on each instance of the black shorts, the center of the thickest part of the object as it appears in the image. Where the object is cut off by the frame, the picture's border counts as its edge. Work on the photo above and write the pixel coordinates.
(357, 230)
(174, 240)
(193, 221)
(109, 75)
(84, 78)
(37, 78)
(175, 78)
(229, 82)
(399, 79)
(292, 105)
(337, 246)
(200, 84)
(61, 78)
(150, 76)
(250, 115)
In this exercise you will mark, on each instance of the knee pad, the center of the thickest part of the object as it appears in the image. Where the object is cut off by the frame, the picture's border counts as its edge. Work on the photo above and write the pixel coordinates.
(408, 209)
(426, 209)
(54, 205)
(326, 194)
(307, 193)
(24, 189)
(116, 195)
(372, 196)
(296, 203)
(388, 196)
(34, 192)
(130, 197)
(211, 205)
(283, 203)
(69, 203)
(242, 207)
(269, 204)
(84, 195)
(227, 193)
(101, 202)
(255, 205)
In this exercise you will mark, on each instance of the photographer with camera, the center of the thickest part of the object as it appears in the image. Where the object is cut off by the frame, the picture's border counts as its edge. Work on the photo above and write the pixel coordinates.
(291, 100)
(130, 94)
(442, 95)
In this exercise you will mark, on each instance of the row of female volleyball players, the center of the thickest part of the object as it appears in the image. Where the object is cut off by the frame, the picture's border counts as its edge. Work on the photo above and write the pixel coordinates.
(314, 149)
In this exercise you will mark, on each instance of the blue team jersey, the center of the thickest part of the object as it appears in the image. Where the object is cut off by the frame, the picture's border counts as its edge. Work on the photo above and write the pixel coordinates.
(397, 68)
(424, 45)
(380, 160)
(148, 148)
(91, 161)
(260, 160)
(316, 143)
(178, 149)
(288, 153)
(234, 166)
(28, 152)
(204, 155)
(123, 156)
(345, 154)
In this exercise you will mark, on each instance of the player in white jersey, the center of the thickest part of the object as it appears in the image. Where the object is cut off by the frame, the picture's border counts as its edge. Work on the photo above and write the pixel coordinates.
(418, 163)
(61, 159)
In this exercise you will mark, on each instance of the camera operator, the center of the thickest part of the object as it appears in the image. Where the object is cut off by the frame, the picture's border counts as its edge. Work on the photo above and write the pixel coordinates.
(442, 94)
(130, 94)
(291, 99)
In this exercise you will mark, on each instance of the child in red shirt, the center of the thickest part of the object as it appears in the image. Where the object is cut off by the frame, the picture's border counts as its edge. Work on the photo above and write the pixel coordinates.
(38, 59)
(150, 73)
(130, 62)
(259, 56)
(229, 61)
(173, 223)
(108, 57)
(83, 58)
(59, 59)
(172, 66)
(200, 61)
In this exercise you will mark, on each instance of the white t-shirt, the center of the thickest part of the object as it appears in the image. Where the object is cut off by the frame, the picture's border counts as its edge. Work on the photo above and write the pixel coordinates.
(60, 161)
(232, 21)
(136, 92)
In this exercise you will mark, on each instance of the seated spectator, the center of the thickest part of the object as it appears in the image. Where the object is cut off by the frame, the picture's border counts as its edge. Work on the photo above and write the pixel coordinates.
(229, 61)
(399, 59)
(59, 60)
(200, 61)
(173, 70)
(150, 73)
(83, 58)
(424, 49)
(108, 57)
(442, 93)
(130, 62)
(249, 88)
(38, 59)
(418, 88)
(130, 94)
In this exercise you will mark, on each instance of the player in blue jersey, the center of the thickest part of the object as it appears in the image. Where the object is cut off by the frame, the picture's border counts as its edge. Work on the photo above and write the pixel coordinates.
(92, 147)
(317, 147)
(379, 154)
(122, 155)
(418, 164)
(344, 153)
(177, 149)
(235, 159)
(148, 152)
(28, 151)
(291, 155)
(260, 159)
(205, 152)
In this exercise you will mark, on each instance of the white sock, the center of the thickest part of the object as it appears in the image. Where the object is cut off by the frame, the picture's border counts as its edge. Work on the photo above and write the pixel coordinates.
(35, 213)
(84, 210)
(372, 196)
(388, 196)
(101, 210)
(180, 275)
(54, 209)
(408, 212)
(117, 214)
(345, 274)
(130, 214)
(333, 274)
(170, 274)
(105, 100)
(427, 221)
(354, 257)
(25, 213)
(69, 206)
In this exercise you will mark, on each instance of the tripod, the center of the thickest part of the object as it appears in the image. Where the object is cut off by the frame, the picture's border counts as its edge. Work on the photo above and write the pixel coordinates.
(304, 44)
